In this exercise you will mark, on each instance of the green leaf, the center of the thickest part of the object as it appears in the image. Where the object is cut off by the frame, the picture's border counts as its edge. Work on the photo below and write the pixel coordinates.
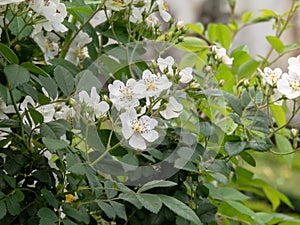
(64, 79)
(16, 25)
(261, 145)
(234, 103)
(247, 16)
(3, 209)
(211, 32)
(224, 35)
(110, 189)
(50, 198)
(226, 193)
(8, 54)
(50, 86)
(241, 208)
(107, 209)
(285, 146)
(150, 202)
(248, 158)
(156, 183)
(85, 80)
(13, 206)
(196, 27)
(119, 209)
(55, 129)
(276, 43)
(132, 198)
(16, 75)
(192, 44)
(34, 69)
(48, 217)
(279, 115)
(224, 73)
(248, 68)
(180, 208)
(234, 147)
(54, 144)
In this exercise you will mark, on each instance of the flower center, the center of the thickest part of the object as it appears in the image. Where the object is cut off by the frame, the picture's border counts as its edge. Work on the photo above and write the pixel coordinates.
(139, 126)
(165, 7)
(50, 46)
(295, 84)
(127, 92)
(118, 2)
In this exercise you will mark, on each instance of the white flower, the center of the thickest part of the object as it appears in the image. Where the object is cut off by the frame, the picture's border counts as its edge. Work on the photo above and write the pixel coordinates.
(186, 75)
(294, 64)
(54, 11)
(139, 131)
(77, 51)
(48, 44)
(173, 109)
(65, 112)
(163, 10)
(289, 85)
(5, 2)
(152, 20)
(166, 63)
(117, 5)
(123, 96)
(137, 12)
(46, 110)
(95, 107)
(220, 54)
(271, 76)
(151, 85)
(99, 17)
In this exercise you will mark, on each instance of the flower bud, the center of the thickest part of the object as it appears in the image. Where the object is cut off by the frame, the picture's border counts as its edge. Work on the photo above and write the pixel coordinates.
(294, 132)
(195, 85)
(106, 98)
(71, 102)
(221, 83)
(246, 83)
(179, 24)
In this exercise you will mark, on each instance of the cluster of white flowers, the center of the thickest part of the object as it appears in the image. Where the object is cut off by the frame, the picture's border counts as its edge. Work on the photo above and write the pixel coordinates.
(155, 90)
(140, 10)
(284, 84)
(221, 55)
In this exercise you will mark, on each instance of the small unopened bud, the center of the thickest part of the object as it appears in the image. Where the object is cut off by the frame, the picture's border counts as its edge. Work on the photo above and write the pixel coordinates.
(179, 24)
(195, 85)
(221, 83)
(208, 68)
(72, 102)
(180, 39)
(246, 83)
(17, 48)
(294, 132)
(57, 107)
(106, 98)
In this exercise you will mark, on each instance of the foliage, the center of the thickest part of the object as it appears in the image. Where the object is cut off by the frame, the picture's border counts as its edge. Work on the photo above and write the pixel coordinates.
(97, 129)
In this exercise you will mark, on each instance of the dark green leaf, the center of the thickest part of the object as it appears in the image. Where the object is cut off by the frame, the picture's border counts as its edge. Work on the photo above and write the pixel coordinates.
(13, 206)
(10, 180)
(180, 208)
(64, 79)
(16, 75)
(234, 103)
(54, 144)
(156, 183)
(150, 202)
(234, 147)
(85, 80)
(132, 198)
(107, 209)
(119, 209)
(48, 217)
(34, 69)
(50, 198)
(248, 158)
(260, 144)
(8, 54)
(3, 209)
(50, 86)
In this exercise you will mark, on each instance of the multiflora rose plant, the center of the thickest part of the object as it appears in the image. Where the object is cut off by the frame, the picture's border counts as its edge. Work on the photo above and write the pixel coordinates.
(92, 133)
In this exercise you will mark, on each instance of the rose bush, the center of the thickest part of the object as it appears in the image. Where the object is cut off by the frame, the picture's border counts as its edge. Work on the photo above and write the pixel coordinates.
(102, 124)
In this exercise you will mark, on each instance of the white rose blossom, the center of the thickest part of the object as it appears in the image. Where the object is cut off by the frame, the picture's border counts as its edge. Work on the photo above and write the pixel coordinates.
(289, 85)
(173, 109)
(151, 85)
(95, 107)
(166, 63)
(294, 64)
(186, 75)
(163, 10)
(5, 2)
(123, 96)
(48, 44)
(270, 76)
(139, 131)
(220, 54)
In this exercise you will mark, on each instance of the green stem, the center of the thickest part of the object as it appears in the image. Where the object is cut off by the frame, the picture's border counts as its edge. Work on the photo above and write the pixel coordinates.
(105, 153)
(65, 49)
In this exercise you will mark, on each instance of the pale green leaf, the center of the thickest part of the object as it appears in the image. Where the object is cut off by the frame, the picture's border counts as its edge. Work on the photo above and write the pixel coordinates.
(150, 202)
(16, 75)
(276, 43)
(64, 79)
(156, 183)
